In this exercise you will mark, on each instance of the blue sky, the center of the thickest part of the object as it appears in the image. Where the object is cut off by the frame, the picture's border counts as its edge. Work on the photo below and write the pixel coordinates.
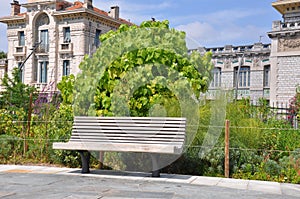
(209, 23)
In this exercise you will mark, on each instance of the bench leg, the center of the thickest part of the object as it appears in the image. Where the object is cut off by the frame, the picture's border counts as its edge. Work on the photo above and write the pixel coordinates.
(155, 166)
(85, 159)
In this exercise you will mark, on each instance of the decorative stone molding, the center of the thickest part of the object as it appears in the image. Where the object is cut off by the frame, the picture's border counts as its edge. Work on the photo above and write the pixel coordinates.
(227, 63)
(256, 62)
(288, 44)
(12, 33)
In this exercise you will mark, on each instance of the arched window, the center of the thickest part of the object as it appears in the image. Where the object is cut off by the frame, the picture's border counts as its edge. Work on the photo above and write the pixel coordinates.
(42, 20)
(41, 33)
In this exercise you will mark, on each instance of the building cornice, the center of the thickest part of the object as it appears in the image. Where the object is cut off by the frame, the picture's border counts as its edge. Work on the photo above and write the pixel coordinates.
(13, 19)
(236, 51)
(27, 5)
(283, 33)
(282, 5)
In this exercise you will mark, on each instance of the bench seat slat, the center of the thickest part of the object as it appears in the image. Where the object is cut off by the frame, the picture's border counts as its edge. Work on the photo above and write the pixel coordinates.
(125, 141)
(167, 136)
(127, 138)
(121, 132)
(120, 147)
(158, 125)
(125, 128)
(131, 118)
(112, 139)
(129, 121)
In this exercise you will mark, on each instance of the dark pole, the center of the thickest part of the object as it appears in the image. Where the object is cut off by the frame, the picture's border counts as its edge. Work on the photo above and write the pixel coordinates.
(33, 51)
(90, 29)
(28, 124)
(227, 134)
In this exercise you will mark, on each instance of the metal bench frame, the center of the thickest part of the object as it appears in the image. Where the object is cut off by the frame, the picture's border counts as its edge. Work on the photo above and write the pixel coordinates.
(154, 135)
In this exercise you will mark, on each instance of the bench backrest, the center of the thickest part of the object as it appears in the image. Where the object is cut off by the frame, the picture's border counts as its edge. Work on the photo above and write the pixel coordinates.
(139, 130)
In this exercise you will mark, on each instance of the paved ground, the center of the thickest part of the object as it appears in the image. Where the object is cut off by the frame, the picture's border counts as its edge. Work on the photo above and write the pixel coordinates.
(50, 182)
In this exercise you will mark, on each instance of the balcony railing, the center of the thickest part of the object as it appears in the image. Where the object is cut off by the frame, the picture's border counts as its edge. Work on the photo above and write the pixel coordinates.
(40, 86)
(279, 25)
(20, 51)
(42, 49)
(66, 48)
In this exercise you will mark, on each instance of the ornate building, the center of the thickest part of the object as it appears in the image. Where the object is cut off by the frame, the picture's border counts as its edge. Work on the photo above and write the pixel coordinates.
(245, 69)
(270, 71)
(285, 51)
(54, 35)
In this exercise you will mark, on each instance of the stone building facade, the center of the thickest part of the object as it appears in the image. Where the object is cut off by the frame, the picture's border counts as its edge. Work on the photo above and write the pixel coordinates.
(57, 34)
(244, 70)
(285, 51)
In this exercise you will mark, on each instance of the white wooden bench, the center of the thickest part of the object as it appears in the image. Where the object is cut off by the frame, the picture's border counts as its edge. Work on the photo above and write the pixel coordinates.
(152, 135)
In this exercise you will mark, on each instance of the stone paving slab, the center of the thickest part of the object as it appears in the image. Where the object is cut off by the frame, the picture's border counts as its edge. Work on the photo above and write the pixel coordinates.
(139, 180)
(236, 183)
(270, 187)
(202, 180)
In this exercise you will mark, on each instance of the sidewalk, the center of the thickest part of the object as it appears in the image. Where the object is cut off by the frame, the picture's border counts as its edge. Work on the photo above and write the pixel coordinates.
(52, 182)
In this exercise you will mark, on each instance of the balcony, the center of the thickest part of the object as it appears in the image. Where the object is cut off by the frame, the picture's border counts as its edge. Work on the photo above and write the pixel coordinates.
(20, 51)
(242, 93)
(282, 26)
(65, 48)
(40, 86)
(42, 49)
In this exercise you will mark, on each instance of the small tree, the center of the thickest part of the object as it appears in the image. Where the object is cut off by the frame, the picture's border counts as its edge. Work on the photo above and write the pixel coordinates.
(16, 94)
(150, 60)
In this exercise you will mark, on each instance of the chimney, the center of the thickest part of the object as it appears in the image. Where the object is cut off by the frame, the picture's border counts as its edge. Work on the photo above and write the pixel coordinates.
(114, 12)
(88, 4)
(15, 8)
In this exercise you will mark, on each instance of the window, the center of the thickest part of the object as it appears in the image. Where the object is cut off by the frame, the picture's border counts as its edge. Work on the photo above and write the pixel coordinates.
(43, 71)
(66, 67)
(97, 38)
(267, 76)
(21, 38)
(243, 77)
(44, 39)
(21, 71)
(40, 33)
(216, 81)
(67, 35)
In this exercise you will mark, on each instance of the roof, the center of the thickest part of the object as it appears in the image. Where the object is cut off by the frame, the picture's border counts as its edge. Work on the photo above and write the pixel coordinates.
(79, 5)
(64, 6)
(282, 5)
